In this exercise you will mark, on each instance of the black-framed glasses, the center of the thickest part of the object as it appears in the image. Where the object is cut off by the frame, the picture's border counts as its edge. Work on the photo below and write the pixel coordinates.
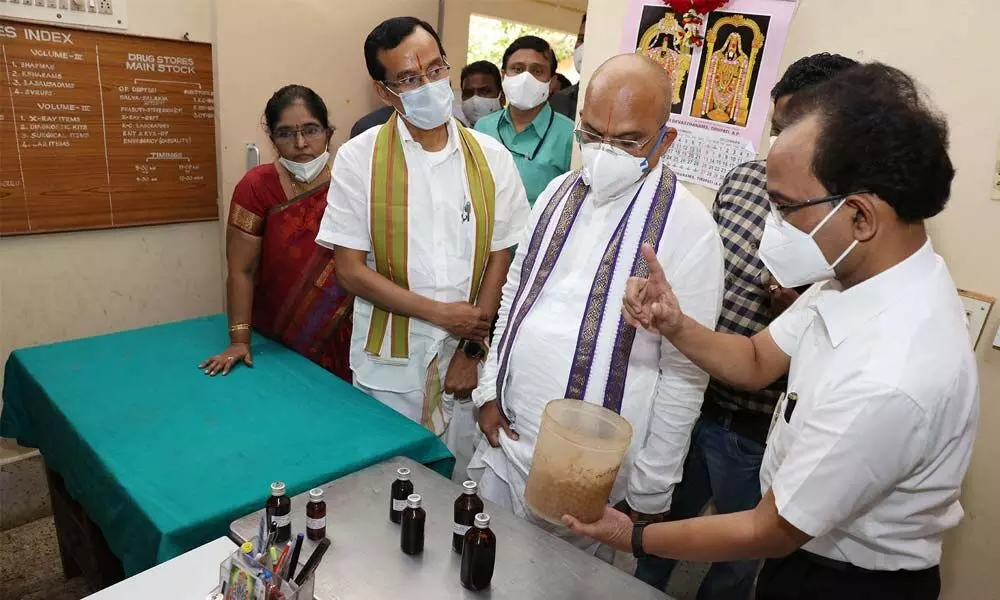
(287, 135)
(780, 211)
(412, 82)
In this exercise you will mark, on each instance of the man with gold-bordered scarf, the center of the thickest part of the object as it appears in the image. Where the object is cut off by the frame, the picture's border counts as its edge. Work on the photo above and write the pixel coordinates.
(422, 214)
(561, 333)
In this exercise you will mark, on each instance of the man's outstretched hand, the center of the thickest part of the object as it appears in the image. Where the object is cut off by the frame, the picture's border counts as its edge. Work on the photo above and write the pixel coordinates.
(614, 529)
(650, 303)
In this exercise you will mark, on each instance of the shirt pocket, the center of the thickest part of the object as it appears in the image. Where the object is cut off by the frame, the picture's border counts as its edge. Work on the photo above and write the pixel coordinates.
(783, 434)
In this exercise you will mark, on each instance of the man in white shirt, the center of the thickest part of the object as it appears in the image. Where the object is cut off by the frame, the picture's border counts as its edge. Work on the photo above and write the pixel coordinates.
(560, 333)
(422, 214)
(865, 459)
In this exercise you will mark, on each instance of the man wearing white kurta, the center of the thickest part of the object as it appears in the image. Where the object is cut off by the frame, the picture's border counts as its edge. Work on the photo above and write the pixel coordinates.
(546, 346)
(422, 214)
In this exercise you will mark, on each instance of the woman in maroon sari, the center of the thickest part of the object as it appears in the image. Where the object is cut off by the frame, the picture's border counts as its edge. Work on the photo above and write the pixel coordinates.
(280, 281)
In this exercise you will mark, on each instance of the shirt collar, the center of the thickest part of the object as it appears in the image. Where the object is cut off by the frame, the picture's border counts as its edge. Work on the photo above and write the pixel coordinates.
(407, 137)
(846, 312)
(540, 123)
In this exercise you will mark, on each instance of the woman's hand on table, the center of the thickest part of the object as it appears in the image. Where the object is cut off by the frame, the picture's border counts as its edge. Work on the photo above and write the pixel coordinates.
(224, 362)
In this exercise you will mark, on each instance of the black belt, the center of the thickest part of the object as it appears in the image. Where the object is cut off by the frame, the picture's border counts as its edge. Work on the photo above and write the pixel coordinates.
(803, 574)
(846, 567)
(748, 424)
(836, 565)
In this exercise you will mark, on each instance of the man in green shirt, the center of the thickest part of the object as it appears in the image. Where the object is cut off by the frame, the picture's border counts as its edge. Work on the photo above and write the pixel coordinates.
(540, 139)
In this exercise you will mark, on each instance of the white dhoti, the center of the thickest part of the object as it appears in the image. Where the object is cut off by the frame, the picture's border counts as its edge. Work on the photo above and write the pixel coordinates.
(454, 421)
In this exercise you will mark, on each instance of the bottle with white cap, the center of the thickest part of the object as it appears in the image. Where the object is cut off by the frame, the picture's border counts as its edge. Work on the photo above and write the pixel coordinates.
(467, 506)
(316, 515)
(279, 512)
(479, 555)
(401, 489)
(411, 537)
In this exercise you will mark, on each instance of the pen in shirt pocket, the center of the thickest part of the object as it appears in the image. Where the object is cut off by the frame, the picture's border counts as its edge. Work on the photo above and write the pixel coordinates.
(790, 402)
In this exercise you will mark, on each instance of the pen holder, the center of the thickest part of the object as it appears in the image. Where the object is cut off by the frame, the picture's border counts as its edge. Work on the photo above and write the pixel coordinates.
(240, 579)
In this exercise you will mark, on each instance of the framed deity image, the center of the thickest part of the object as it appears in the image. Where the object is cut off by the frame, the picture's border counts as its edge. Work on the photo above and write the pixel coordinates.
(723, 66)
(730, 67)
(661, 37)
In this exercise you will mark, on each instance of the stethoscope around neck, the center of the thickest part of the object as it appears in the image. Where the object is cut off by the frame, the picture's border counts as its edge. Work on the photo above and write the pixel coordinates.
(538, 146)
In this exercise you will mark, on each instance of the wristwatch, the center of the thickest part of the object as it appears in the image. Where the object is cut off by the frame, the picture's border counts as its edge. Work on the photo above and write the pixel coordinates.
(473, 350)
(637, 530)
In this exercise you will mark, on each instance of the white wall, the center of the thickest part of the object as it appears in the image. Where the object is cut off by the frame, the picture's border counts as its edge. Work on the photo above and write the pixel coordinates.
(956, 65)
(59, 286)
(319, 44)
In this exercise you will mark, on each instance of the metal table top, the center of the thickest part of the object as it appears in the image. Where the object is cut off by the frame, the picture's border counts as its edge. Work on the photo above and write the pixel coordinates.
(365, 561)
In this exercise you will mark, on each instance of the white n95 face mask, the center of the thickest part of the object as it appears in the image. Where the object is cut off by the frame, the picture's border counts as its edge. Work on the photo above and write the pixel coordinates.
(430, 105)
(609, 171)
(578, 59)
(793, 256)
(477, 107)
(307, 171)
(524, 91)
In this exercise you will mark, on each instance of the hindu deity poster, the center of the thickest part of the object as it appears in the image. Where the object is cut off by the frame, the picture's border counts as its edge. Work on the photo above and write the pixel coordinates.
(722, 73)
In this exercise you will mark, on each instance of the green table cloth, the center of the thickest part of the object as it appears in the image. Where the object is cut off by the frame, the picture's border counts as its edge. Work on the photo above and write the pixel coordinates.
(163, 457)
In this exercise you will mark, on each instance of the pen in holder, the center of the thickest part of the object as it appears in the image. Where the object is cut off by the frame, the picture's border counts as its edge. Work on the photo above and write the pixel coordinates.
(246, 575)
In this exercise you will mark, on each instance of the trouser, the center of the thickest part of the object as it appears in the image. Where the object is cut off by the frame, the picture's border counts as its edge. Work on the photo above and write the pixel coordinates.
(724, 467)
(806, 576)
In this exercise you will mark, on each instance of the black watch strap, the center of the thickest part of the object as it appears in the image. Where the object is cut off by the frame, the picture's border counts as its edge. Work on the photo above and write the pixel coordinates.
(637, 549)
(473, 350)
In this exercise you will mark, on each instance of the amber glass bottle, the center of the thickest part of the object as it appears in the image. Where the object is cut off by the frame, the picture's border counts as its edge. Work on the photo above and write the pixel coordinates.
(401, 490)
(411, 537)
(479, 555)
(279, 510)
(316, 515)
(467, 506)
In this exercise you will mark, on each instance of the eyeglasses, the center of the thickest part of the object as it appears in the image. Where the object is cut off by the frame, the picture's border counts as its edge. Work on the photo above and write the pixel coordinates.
(412, 82)
(780, 211)
(309, 131)
(538, 71)
(584, 136)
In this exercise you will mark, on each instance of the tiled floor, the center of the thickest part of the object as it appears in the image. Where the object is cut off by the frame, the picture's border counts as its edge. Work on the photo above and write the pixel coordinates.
(30, 567)
(10, 451)
(24, 492)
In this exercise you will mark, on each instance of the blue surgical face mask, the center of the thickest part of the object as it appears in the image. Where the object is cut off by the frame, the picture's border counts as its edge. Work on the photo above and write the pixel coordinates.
(429, 106)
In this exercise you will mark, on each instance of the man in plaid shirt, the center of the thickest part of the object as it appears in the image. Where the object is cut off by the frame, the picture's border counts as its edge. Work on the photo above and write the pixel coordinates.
(727, 444)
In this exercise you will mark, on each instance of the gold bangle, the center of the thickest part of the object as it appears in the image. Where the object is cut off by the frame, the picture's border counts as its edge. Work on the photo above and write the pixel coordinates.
(239, 327)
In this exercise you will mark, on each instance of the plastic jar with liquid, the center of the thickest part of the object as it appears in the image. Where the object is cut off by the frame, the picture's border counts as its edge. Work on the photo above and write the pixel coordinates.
(579, 450)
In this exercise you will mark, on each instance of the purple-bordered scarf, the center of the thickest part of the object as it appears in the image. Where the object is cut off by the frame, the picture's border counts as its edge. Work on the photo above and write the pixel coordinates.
(570, 197)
